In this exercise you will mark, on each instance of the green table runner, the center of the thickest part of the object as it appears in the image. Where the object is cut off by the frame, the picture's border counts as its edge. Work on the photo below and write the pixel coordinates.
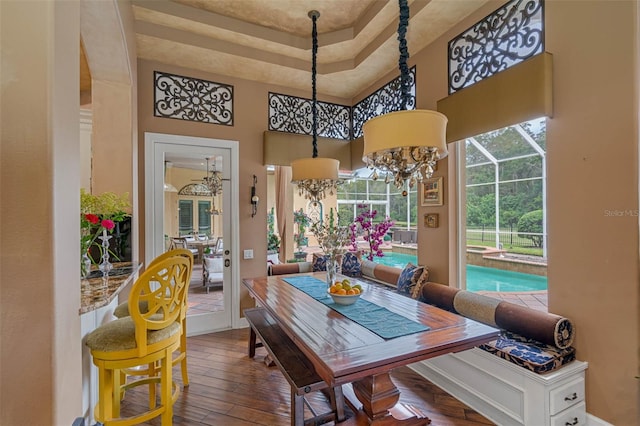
(377, 319)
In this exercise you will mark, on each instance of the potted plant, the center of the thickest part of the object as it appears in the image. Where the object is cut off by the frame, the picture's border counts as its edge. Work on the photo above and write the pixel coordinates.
(301, 221)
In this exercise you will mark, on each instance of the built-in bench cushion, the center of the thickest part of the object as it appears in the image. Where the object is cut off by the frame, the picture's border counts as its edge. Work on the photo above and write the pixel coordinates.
(528, 353)
(547, 328)
(536, 340)
(289, 268)
(381, 273)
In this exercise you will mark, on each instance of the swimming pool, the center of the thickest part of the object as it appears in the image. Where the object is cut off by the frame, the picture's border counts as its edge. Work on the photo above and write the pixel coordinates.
(479, 278)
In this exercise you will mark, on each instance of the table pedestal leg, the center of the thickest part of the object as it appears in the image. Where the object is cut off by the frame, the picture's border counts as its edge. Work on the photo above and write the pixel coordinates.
(379, 397)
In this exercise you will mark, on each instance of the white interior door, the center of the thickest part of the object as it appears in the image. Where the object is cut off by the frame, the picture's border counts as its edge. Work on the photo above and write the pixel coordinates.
(160, 147)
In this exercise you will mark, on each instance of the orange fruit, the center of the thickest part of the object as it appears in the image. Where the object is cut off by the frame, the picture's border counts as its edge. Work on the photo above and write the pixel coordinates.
(355, 290)
(342, 291)
(350, 292)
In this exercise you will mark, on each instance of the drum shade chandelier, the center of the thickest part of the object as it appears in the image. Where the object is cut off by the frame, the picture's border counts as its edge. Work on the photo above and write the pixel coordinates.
(314, 176)
(405, 144)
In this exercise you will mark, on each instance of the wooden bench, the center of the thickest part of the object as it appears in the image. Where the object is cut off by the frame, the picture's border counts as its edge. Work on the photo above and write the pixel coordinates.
(295, 367)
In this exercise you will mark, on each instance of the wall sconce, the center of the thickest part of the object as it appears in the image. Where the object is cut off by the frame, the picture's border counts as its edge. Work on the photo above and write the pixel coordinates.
(254, 197)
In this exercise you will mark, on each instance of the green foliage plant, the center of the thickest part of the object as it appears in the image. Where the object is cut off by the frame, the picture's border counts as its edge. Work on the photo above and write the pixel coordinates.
(531, 223)
(302, 221)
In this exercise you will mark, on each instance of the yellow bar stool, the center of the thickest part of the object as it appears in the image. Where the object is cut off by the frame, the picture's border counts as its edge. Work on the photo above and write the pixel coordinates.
(122, 310)
(143, 338)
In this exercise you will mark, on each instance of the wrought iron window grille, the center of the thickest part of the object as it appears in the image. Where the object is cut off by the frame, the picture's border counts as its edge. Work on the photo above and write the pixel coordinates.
(192, 99)
(292, 114)
(506, 37)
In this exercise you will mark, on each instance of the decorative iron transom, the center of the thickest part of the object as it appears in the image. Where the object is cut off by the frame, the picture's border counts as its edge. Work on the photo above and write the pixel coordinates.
(192, 99)
(293, 115)
(195, 189)
(506, 37)
(384, 100)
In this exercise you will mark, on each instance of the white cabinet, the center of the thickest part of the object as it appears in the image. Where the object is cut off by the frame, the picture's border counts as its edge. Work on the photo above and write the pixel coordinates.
(89, 322)
(508, 394)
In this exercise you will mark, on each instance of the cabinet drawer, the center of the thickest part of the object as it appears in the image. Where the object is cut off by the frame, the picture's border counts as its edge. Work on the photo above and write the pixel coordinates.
(566, 395)
(574, 416)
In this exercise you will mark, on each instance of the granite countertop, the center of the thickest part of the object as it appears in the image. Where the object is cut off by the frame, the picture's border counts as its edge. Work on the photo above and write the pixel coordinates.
(97, 291)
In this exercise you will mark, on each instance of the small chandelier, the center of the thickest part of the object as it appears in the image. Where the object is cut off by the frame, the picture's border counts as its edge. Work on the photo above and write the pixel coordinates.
(405, 144)
(213, 179)
(314, 176)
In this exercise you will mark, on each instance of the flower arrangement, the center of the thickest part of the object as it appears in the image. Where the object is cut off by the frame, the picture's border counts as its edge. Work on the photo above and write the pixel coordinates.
(98, 216)
(332, 237)
(373, 233)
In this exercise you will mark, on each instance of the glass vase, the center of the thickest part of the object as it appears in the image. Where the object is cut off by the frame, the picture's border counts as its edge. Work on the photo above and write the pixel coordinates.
(85, 265)
(332, 270)
(105, 266)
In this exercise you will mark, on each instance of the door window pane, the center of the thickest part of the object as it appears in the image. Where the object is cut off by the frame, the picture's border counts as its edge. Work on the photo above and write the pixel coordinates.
(204, 217)
(185, 216)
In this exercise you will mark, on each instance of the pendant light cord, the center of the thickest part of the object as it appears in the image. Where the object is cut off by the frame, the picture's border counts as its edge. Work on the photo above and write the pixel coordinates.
(314, 107)
(405, 82)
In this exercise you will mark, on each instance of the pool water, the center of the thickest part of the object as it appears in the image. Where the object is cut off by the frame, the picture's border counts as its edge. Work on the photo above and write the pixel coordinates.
(479, 278)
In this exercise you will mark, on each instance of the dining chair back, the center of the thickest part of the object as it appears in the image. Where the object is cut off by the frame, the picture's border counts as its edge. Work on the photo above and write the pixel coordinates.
(122, 310)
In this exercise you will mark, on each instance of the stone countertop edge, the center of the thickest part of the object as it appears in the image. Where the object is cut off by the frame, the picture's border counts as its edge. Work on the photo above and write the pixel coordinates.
(98, 292)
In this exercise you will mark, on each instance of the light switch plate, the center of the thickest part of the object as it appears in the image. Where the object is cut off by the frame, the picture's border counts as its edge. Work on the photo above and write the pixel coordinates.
(248, 254)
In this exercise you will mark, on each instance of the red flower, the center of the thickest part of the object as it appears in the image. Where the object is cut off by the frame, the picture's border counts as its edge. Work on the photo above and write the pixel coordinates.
(92, 218)
(108, 224)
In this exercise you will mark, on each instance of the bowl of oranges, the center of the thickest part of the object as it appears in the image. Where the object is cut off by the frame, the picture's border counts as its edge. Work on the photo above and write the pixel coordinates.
(343, 293)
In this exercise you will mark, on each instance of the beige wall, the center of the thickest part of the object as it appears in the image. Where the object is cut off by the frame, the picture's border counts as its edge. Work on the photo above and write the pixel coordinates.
(592, 146)
(40, 354)
(250, 121)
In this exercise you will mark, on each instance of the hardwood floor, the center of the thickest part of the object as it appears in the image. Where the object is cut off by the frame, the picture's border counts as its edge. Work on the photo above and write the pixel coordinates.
(228, 388)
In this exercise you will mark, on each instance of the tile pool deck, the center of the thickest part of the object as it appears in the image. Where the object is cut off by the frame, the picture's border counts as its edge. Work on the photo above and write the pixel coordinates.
(531, 299)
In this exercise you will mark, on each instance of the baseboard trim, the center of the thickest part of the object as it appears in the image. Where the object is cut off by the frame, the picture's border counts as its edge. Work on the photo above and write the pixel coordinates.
(595, 421)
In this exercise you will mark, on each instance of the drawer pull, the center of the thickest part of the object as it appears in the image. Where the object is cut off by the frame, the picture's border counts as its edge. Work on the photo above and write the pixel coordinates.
(573, 423)
(573, 397)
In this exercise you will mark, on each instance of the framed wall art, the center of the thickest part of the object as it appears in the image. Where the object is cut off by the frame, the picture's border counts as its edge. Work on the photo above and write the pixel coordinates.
(431, 194)
(431, 220)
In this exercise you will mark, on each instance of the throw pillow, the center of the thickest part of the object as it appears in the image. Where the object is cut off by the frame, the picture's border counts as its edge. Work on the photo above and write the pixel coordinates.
(319, 262)
(351, 265)
(410, 281)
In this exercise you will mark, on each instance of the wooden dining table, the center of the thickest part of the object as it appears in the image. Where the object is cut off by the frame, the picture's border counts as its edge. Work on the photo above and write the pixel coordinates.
(344, 352)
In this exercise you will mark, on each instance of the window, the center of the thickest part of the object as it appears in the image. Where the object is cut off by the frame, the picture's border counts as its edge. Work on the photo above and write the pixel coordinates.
(505, 209)
(190, 221)
(384, 198)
